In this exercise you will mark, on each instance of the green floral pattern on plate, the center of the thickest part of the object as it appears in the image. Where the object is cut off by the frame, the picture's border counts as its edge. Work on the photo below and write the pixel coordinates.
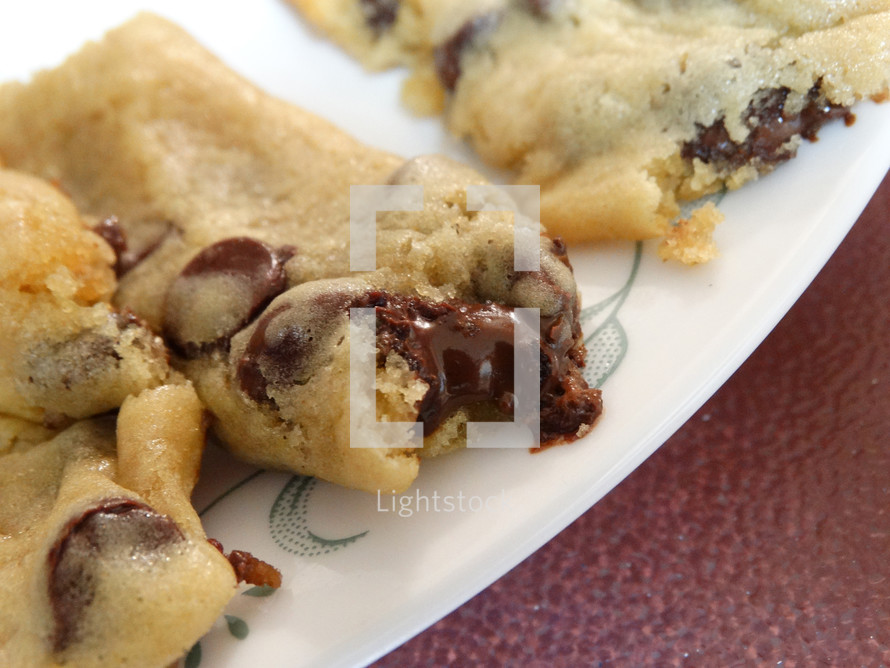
(607, 342)
(289, 524)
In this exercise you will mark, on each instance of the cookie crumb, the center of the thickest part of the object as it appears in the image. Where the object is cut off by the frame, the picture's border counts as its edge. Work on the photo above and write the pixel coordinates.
(249, 569)
(691, 240)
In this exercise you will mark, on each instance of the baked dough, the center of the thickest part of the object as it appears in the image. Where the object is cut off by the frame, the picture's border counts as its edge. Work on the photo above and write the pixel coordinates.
(619, 109)
(66, 353)
(234, 208)
(103, 561)
(97, 533)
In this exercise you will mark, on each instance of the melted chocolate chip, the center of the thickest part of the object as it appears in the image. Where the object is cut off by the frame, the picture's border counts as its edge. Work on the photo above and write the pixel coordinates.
(541, 9)
(560, 251)
(220, 290)
(113, 234)
(380, 15)
(448, 55)
(462, 351)
(771, 129)
(287, 351)
(119, 528)
(567, 402)
(57, 365)
(243, 257)
(465, 353)
(284, 343)
(126, 258)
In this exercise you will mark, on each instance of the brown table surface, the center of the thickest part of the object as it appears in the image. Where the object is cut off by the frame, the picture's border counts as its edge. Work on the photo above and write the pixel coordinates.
(759, 534)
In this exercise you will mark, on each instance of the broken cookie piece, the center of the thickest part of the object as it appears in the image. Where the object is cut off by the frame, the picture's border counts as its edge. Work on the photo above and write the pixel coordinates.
(622, 109)
(97, 532)
(67, 353)
(239, 212)
(98, 537)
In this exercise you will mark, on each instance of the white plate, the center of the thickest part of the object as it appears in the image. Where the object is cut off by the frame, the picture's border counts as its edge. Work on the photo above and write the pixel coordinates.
(361, 578)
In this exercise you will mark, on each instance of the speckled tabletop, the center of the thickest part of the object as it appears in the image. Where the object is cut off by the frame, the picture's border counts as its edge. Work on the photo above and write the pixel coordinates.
(759, 534)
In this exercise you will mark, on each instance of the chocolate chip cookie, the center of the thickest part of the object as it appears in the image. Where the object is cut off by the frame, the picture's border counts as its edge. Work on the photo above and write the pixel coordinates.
(103, 561)
(233, 225)
(97, 533)
(621, 109)
(66, 352)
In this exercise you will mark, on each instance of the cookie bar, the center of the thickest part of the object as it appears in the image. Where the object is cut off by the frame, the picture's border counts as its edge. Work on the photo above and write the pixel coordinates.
(103, 561)
(233, 212)
(66, 353)
(621, 109)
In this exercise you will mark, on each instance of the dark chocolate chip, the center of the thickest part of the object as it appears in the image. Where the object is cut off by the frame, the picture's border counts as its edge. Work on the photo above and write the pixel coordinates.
(116, 529)
(249, 370)
(448, 55)
(244, 257)
(286, 343)
(143, 239)
(541, 9)
(55, 366)
(380, 15)
(464, 352)
(279, 355)
(220, 290)
(113, 234)
(560, 251)
(83, 365)
(771, 128)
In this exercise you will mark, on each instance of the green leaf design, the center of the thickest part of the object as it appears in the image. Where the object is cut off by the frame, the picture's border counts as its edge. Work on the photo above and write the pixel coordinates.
(288, 521)
(231, 490)
(607, 342)
(610, 343)
(193, 658)
(260, 591)
(237, 627)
